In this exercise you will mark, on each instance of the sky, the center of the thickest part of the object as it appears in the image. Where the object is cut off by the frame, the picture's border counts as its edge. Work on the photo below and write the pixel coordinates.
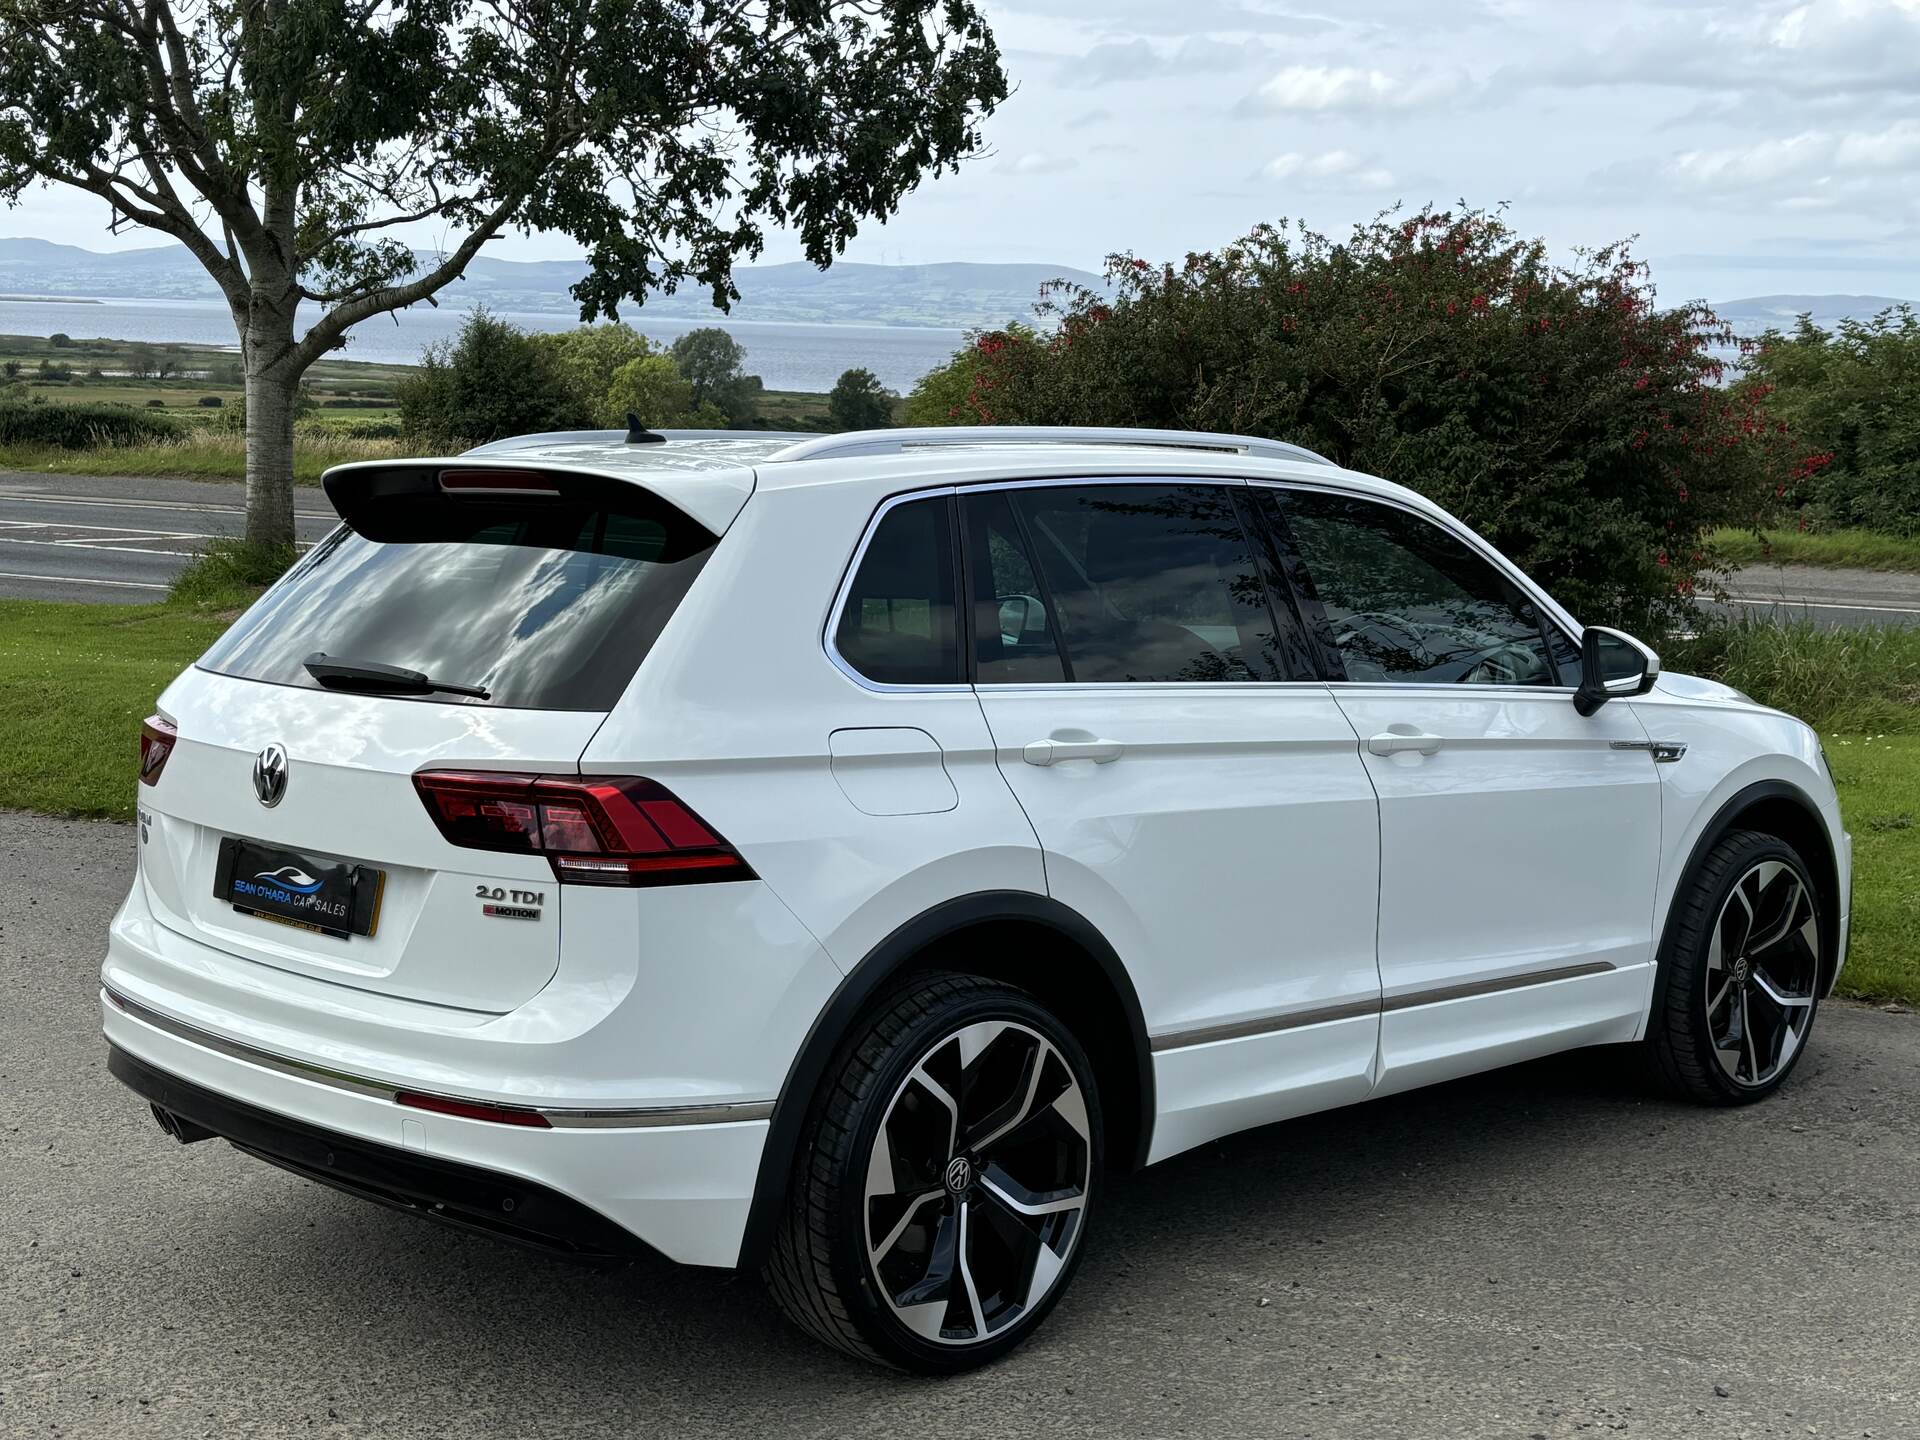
(1758, 147)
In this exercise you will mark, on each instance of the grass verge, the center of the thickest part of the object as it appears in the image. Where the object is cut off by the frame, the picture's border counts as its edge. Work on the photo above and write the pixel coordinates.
(202, 455)
(1832, 549)
(1839, 679)
(75, 683)
(1879, 781)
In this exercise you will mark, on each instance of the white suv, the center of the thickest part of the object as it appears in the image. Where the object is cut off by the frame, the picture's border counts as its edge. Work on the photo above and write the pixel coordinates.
(836, 857)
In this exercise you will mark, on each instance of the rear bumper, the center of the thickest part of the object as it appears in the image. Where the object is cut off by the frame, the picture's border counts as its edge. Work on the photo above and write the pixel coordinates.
(466, 1196)
(680, 1190)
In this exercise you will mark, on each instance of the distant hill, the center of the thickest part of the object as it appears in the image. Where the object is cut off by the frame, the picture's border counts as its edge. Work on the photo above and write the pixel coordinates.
(953, 295)
(1758, 313)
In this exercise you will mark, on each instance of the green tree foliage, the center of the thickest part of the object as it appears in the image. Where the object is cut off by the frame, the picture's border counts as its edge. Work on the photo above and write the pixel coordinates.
(1854, 398)
(493, 381)
(288, 143)
(858, 401)
(1550, 406)
(588, 357)
(653, 390)
(712, 362)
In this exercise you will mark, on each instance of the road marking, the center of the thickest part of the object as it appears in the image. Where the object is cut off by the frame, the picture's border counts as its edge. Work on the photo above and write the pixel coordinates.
(91, 545)
(1827, 605)
(80, 580)
(189, 506)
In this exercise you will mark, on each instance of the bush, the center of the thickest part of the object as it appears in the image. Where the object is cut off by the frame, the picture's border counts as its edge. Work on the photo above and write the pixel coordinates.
(1853, 397)
(230, 573)
(1552, 407)
(54, 370)
(859, 402)
(155, 404)
(80, 427)
(652, 390)
(495, 380)
(1834, 679)
(209, 402)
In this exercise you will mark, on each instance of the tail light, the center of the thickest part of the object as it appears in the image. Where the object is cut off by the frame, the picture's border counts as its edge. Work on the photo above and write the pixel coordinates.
(595, 830)
(157, 734)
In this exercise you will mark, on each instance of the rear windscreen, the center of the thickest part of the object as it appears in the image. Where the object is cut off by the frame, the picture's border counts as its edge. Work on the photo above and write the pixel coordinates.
(546, 602)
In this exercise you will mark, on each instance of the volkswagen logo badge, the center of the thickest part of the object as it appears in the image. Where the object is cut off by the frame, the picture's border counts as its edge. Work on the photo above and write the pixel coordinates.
(270, 775)
(959, 1174)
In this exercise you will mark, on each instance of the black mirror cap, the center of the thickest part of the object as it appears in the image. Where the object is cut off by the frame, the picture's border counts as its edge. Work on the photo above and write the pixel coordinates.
(1595, 688)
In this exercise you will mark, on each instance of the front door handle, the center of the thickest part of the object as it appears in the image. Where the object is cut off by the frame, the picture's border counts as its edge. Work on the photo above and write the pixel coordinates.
(1401, 742)
(1052, 752)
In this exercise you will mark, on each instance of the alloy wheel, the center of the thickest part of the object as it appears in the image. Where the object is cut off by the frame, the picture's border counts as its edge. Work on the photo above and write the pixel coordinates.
(1763, 972)
(977, 1183)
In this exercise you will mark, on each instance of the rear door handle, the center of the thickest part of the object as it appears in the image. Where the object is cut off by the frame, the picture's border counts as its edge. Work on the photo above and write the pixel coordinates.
(1400, 742)
(1052, 752)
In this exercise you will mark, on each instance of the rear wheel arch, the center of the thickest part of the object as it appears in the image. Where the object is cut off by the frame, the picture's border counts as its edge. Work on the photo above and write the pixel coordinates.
(1779, 808)
(990, 935)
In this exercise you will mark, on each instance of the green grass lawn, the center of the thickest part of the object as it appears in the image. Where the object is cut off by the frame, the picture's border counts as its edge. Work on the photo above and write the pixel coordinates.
(1879, 781)
(76, 681)
(1853, 549)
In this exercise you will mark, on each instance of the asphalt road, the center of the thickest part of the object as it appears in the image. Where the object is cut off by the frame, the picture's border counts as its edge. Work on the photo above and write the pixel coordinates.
(106, 539)
(66, 537)
(1544, 1252)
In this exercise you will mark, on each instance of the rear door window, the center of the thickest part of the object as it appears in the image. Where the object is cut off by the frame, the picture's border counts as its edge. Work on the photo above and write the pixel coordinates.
(1136, 584)
(548, 602)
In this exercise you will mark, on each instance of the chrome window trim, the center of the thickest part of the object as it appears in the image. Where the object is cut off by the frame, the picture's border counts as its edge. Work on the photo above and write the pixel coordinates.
(1374, 1005)
(560, 1118)
(1445, 522)
(1548, 604)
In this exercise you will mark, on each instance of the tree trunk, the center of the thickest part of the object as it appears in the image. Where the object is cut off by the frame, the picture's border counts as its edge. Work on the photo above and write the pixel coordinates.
(272, 385)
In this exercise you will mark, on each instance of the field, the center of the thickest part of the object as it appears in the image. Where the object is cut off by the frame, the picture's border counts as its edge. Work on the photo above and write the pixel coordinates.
(200, 385)
(1852, 549)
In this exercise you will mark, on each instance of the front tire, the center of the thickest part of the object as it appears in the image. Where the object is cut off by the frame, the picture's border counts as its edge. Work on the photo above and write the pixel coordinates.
(1739, 975)
(940, 1198)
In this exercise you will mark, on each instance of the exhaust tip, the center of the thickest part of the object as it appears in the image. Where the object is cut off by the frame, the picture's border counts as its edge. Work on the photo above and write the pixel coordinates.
(181, 1129)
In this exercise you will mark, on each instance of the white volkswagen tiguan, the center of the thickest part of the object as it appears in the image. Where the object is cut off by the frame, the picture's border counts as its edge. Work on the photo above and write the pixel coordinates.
(838, 857)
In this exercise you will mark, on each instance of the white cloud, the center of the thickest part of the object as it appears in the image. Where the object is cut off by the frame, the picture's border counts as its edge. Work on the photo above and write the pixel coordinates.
(1116, 61)
(1812, 155)
(1333, 170)
(1036, 162)
(1328, 88)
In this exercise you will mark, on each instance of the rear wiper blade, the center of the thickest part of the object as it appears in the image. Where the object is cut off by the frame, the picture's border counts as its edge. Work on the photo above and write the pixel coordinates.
(339, 673)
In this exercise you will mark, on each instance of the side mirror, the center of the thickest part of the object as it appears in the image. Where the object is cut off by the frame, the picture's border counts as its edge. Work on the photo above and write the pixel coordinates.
(1612, 665)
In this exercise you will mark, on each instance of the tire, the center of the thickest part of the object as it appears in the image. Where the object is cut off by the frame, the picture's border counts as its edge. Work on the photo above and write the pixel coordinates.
(1739, 977)
(1005, 1184)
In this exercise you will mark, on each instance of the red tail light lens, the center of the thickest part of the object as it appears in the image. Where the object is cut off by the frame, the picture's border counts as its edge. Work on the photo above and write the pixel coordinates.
(597, 830)
(157, 736)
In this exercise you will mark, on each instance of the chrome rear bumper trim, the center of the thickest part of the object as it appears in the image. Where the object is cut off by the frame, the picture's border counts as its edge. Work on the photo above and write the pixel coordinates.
(559, 1119)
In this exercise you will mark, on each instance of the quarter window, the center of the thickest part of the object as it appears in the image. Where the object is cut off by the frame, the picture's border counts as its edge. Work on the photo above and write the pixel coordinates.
(1121, 583)
(897, 626)
(1407, 602)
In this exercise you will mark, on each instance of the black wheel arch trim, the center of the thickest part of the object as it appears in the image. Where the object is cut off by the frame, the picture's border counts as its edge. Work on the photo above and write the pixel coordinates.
(1727, 818)
(866, 979)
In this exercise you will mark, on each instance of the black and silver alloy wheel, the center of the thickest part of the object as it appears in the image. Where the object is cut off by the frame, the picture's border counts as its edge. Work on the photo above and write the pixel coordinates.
(1741, 970)
(976, 1182)
(1763, 971)
(940, 1199)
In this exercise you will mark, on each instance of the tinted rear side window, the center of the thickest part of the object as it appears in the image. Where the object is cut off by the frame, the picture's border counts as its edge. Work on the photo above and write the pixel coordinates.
(1149, 583)
(549, 603)
(898, 625)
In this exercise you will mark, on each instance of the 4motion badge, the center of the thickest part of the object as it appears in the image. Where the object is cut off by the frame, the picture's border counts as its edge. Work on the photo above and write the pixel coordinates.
(502, 904)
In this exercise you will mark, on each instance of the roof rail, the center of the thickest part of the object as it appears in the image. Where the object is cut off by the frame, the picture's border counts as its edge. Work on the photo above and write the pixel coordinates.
(894, 442)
